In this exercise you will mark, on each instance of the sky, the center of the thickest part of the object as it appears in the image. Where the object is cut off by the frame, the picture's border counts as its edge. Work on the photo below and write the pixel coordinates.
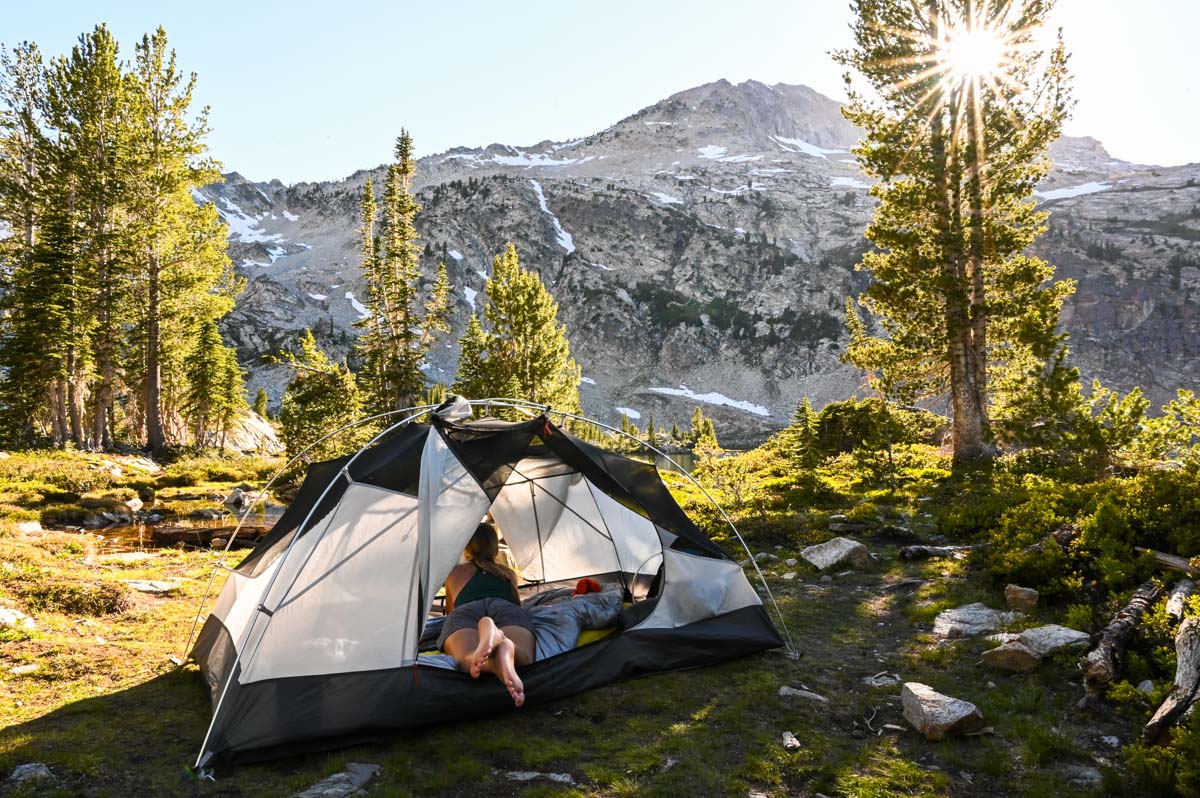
(313, 91)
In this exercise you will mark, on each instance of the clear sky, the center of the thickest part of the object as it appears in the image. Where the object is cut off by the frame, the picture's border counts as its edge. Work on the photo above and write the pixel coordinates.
(311, 91)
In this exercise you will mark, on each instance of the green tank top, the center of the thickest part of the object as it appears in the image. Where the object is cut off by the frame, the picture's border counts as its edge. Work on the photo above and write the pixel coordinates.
(484, 585)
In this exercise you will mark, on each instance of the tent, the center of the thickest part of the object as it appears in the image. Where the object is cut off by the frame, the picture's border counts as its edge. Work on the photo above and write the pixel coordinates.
(314, 640)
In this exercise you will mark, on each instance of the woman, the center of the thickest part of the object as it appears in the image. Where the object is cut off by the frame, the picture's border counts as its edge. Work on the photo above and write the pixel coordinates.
(486, 629)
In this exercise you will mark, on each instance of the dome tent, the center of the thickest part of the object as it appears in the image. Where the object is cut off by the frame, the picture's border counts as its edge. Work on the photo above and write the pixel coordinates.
(315, 637)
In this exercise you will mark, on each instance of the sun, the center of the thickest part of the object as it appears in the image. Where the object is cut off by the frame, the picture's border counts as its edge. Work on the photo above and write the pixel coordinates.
(973, 54)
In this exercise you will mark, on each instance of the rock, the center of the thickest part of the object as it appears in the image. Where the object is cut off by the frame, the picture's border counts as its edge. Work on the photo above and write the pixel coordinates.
(1013, 656)
(155, 587)
(1111, 742)
(807, 695)
(892, 728)
(238, 499)
(1146, 687)
(134, 504)
(790, 743)
(350, 781)
(531, 775)
(1002, 637)
(790, 562)
(827, 579)
(15, 619)
(970, 620)
(764, 556)
(1052, 638)
(882, 679)
(206, 515)
(24, 670)
(29, 526)
(31, 771)
(1020, 598)
(937, 716)
(218, 543)
(839, 552)
(1081, 775)
(843, 526)
(790, 575)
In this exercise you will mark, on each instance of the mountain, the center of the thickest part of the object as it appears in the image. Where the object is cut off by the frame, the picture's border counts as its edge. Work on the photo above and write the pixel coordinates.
(701, 250)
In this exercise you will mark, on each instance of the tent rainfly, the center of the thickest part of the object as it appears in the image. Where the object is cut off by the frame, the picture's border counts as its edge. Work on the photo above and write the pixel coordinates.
(314, 640)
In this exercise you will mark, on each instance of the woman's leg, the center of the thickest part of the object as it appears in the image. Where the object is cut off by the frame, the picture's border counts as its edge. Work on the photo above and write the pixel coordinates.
(503, 664)
(524, 641)
(489, 637)
(461, 645)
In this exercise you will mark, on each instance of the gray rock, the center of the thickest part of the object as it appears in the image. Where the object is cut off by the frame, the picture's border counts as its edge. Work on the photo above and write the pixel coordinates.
(765, 556)
(134, 504)
(24, 670)
(31, 771)
(1146, 687)
(1052, 638)
(350, 781)
(1002, 637)
(1081, 775)
(937, 716)
(238, 499)
(790, 575)
(1111, 742)
(807, 695)
(155, 587)
(1020, 598)
(847, 526)
(790, 562)
(790, 743)
(838, 553)
(1013, 656)
(15, 619)
(970, 620)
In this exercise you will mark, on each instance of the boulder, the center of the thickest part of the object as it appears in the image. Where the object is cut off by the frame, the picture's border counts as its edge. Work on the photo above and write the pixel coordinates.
(937, 716)
(1013, 656)
(238, 499)
(134, 504)
(29, 772)
(155, 587)
(790, 743)
(838, 553)
(1052, 638)
(15, 619)
(970, 620)
(1020, 598)
(790, 575)
(350, 781)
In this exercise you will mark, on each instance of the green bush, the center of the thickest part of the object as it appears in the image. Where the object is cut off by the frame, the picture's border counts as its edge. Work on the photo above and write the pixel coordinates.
(43, 592)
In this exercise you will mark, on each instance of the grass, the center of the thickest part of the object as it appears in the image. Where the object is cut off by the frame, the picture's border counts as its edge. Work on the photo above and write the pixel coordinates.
(111, 715)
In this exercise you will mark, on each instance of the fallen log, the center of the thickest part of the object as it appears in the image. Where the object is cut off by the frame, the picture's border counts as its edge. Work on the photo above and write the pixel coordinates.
(1062, 536)
(1178, 598)
(1102, 664)
(1186, 690)
(247, 536)
(936, 552)
(1170, 562)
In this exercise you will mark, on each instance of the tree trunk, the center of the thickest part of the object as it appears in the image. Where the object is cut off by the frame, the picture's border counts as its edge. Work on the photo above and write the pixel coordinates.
(74, 400)
(976, 229)
(58, 412)
(1103, 664)
(155, 437)
(1178, 597)
(1186, 690)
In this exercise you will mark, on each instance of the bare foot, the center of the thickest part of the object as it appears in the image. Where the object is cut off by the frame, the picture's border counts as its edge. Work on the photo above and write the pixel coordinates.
(489, 638)
(505, 667)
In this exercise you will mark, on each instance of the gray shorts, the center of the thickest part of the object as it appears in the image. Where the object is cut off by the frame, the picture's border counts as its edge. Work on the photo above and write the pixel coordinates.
(468, 616)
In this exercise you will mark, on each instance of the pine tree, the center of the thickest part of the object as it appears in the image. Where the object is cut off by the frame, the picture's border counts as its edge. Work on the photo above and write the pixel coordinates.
(702, 428)
(525, 353)
(799, 440)
(651, 432)
(207, 376)
(957, 156)
(231, 394)
(261, 403)
(399, 332)
(321, 398)
(675, 433)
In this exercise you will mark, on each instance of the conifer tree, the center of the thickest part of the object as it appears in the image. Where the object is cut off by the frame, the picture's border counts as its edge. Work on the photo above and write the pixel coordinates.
(702, 428)
(322, 397)
(651, 433)
(525, 353)
(400, 331)
(675, 434)
(800, 442)
(261, 403)
(207, 376)
(958, 151)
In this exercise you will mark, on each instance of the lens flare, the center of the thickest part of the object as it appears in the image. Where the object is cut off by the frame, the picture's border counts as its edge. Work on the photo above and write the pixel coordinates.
(972, 54)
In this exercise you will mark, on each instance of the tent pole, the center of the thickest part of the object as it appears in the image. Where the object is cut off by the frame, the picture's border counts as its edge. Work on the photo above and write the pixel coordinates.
(762, 579)
(344, 472)
(261, 495)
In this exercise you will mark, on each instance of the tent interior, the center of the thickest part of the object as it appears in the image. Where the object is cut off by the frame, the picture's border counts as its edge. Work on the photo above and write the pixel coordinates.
(347, 581)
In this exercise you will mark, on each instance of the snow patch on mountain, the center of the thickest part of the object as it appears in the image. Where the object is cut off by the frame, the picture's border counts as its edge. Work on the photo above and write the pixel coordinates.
(359, 307)
(628, 411)
(665, 199)
(713, 398)
(520, 158)
(470, 294)
(712, 152)
(244, 228)
(319, 297)
(564, 238)
(291, 217)
(588, 380)
(1073, 191)
(454, 253)
(802, 146)
(848, 182)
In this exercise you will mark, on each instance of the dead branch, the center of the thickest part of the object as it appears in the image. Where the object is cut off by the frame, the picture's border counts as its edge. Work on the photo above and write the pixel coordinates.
(936, 552)
(1169, 561)
(1178, 598)
(1102, 664)
(1186, 689)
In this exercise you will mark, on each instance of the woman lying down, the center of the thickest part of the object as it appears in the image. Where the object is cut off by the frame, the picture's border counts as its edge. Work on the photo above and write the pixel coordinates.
(487, 630)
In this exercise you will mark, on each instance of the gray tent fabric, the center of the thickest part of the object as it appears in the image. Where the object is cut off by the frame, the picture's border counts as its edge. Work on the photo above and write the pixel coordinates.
(323, 621)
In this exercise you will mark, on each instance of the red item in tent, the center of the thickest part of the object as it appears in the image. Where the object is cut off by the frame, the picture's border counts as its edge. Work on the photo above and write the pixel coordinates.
(586, 586)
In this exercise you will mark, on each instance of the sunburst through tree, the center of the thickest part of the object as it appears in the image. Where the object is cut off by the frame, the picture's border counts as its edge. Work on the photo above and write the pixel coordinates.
(960, 106)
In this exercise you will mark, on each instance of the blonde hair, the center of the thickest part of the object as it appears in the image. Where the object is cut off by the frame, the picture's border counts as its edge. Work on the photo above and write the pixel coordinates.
(482, 550)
